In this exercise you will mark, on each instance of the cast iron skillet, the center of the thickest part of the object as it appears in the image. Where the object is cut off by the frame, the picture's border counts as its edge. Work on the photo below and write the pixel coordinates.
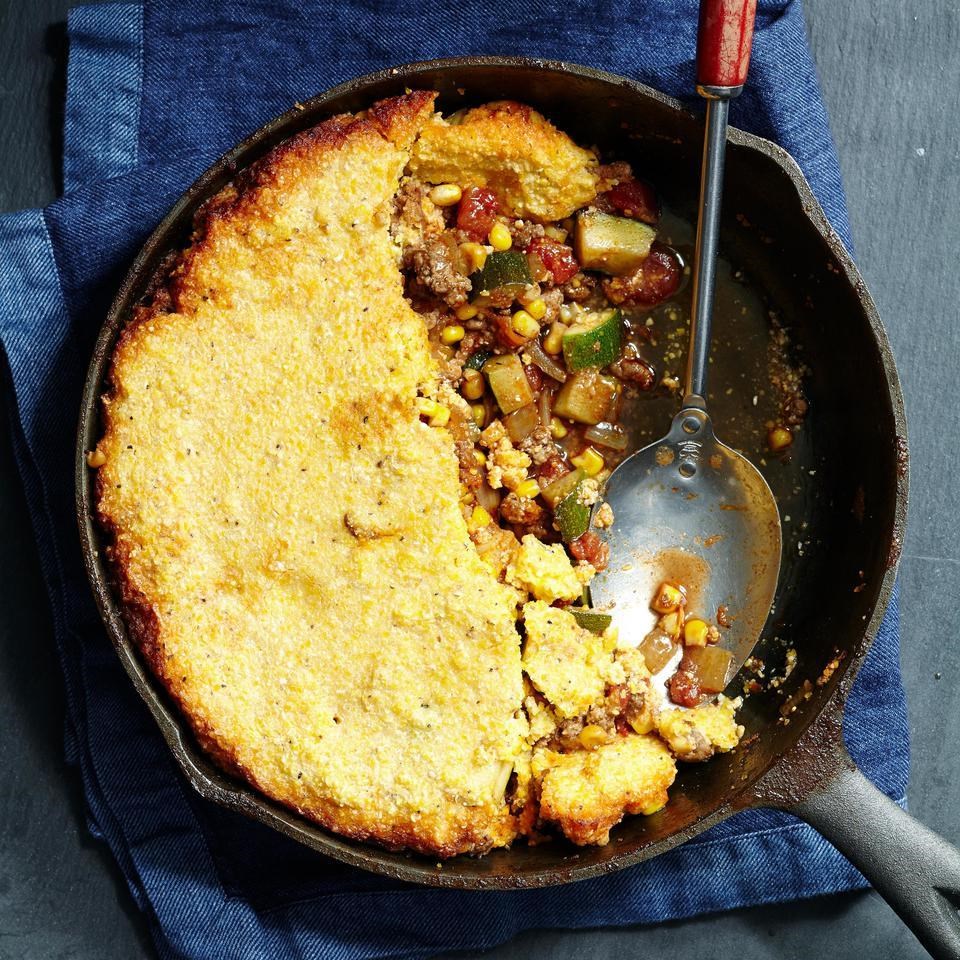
(855, 506)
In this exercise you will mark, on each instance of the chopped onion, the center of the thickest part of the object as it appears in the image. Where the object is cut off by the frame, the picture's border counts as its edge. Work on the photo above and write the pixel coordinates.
(488, 498)
(713, 664)
(607, 434)
(521, 423)
(540, 358)
(658, 650)
(545, 406)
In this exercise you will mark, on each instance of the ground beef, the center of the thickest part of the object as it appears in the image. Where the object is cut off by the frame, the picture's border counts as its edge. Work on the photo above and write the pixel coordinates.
(613, 173)
(603, 715)
(631, 704)
(450, 370)
(554, 301)
(432, 317)
(436, 267)
(539, 445)
(523, 231)
(633, 368)
(414, 214)
(553, 468)
(520, 510)
(476, 338)
(579, 288)
(471, 473)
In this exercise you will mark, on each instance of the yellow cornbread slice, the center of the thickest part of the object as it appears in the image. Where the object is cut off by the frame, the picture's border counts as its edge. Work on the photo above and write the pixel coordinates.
(536, 170)
(587, 792)
(287, 533)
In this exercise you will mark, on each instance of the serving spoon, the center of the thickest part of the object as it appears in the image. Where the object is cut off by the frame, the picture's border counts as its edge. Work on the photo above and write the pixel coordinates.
(688, 508)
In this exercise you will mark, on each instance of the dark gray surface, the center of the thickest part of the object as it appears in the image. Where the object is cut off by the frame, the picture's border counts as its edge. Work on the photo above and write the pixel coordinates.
(891, 77)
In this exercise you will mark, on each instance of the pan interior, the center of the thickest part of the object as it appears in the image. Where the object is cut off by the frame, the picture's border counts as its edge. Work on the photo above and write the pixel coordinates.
(838, 490)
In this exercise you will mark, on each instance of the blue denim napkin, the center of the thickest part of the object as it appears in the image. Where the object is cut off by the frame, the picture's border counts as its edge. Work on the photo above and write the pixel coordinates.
(155, 92)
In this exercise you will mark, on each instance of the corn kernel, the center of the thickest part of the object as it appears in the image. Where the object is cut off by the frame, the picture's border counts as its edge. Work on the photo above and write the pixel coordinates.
(695, 632)
(467, 312)
(525, 325)
(479, 412)
(557, 430)
(446, 194)
(779, 438)
(653, 808)
(555, 233)
(529, 489)
(553, 341)
(500, 238)
(474, 254)
(473, 384)
(437, 413)
(537, 308)
(589, 461)
(644, 723)
(452, 333)
(668, 598)
(96, 458)
(592, 736)
(480, 457)
(478, 519)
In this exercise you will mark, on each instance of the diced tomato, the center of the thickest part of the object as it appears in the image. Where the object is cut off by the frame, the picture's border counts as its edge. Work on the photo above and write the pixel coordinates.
(635, 199)
(557, 257)
(657, 278)
(592, 549)
(477, 212)
(684, 685)
(505, 332)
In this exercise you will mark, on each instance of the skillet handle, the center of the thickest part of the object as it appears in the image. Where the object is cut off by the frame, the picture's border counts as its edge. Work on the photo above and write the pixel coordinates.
(913, 869)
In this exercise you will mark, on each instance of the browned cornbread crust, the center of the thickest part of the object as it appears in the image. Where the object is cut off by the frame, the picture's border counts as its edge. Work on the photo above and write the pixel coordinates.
(281, 516)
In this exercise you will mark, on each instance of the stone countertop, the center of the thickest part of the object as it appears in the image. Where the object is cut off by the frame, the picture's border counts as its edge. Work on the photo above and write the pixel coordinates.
(891, 79)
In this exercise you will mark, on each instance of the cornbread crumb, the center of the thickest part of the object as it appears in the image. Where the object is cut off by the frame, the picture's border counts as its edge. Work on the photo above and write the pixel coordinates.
(544, 570)
(569, 665)
(695, 735)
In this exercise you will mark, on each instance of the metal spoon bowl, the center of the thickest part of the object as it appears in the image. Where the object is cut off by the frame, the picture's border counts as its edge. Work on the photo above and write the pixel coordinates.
(691, 510)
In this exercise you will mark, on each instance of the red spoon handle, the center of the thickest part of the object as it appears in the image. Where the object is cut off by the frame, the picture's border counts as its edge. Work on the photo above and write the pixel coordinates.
(723, 45)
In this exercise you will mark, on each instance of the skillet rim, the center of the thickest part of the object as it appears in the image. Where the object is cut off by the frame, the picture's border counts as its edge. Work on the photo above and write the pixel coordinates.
(215, 785)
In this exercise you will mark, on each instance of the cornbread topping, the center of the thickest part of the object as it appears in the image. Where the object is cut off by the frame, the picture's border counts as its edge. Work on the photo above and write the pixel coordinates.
(352, 441)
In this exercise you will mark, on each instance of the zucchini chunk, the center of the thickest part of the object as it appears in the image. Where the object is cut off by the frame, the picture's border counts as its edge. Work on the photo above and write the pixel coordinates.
(615, 245)
(595, 341)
